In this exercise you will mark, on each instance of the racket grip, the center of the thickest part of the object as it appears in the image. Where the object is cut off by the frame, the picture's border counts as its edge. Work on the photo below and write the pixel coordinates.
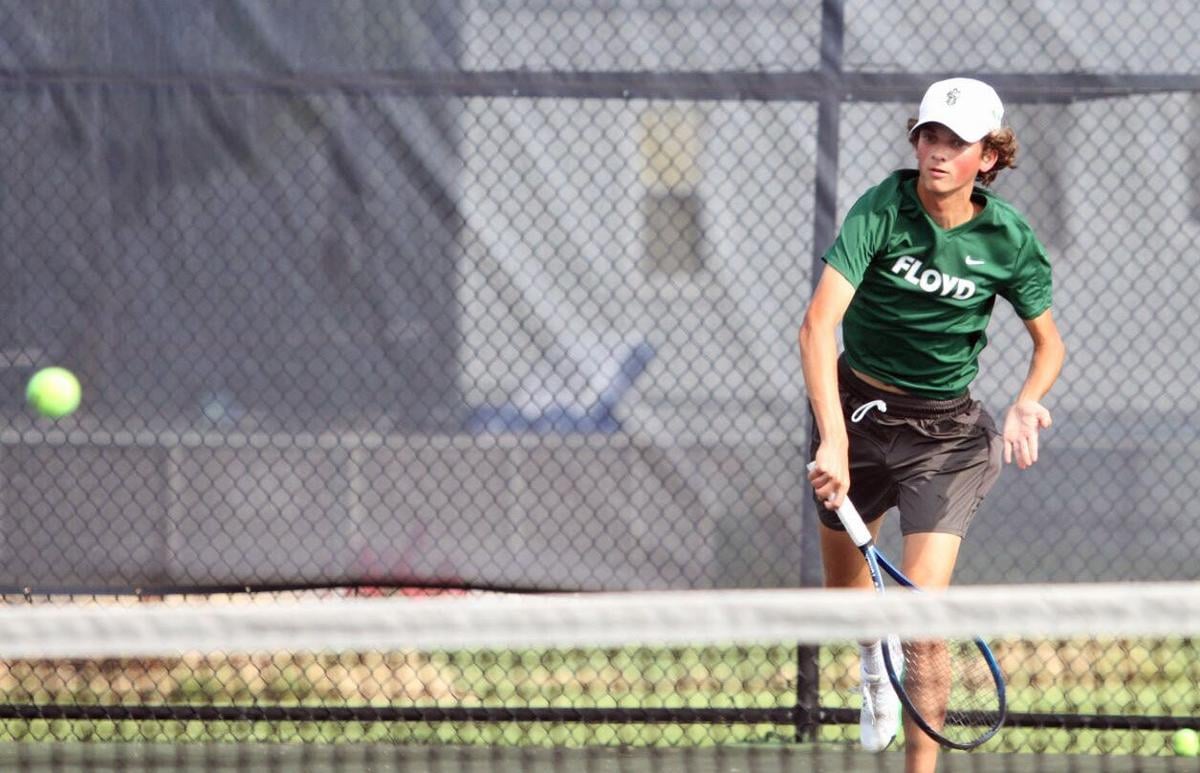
(847, 513)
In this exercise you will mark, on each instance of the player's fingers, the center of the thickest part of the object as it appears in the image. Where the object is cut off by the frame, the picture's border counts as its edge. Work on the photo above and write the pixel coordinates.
(828, 487)
(819, 477)
(1008, 451)
(1033, 448)
(823, 486)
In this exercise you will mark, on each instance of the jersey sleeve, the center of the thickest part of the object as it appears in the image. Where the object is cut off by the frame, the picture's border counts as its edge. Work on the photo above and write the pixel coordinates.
(863, 234)
(1030, 290)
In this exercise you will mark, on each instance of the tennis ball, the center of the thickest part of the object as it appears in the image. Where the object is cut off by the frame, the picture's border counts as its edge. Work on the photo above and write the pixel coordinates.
(1186, 742)
(53, 392)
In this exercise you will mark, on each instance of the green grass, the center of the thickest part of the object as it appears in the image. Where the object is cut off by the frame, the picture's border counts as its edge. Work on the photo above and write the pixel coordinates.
(1113, 677)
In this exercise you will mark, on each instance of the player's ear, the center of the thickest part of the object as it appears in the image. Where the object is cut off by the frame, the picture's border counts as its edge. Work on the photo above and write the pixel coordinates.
(988, 159)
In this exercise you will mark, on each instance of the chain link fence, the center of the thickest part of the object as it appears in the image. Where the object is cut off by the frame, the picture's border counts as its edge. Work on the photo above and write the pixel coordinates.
(483, 295)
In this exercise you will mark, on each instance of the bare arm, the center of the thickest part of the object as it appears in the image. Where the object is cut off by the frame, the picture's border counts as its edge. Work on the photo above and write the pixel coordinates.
(818, 356)
(1027, 415)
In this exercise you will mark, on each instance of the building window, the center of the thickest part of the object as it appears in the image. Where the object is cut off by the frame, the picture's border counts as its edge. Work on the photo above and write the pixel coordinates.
(672, 235)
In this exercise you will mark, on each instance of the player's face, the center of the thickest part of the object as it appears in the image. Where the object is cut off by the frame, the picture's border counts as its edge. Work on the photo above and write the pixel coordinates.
(948, 164)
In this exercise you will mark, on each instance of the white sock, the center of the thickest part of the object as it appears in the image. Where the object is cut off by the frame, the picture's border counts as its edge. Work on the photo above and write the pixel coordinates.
(872, 658)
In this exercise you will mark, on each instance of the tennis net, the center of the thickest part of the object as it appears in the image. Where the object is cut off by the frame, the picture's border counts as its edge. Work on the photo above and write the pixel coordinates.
(1099, 677)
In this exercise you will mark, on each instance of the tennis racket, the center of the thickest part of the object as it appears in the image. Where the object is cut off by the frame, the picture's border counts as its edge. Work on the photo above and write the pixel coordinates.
(952, 689)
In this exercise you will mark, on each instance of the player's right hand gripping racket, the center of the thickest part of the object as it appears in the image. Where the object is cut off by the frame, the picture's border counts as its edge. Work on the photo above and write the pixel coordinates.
(951, 688)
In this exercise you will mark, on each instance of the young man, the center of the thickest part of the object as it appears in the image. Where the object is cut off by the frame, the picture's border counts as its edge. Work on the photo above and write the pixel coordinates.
(912, 279)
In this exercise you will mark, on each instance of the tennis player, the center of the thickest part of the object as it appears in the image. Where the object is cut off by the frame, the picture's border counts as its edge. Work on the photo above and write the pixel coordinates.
(912, 279)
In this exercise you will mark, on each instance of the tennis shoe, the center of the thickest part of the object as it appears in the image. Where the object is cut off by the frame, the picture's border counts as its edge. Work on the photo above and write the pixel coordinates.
(879, 719)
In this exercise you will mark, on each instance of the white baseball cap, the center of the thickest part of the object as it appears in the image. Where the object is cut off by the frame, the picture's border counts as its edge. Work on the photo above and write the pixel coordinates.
(969, 108)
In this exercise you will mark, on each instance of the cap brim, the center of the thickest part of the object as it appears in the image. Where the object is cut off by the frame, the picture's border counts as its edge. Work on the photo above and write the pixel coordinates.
(967, 134)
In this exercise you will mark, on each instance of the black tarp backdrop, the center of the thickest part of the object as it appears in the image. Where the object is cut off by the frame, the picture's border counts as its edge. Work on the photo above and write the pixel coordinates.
(505, 295)
(217, 240)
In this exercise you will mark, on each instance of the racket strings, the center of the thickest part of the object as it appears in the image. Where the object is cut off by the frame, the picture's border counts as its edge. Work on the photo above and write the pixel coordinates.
(951, 686)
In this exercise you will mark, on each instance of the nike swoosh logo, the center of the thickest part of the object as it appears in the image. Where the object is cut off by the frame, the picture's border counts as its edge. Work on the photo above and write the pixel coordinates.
(973, 261)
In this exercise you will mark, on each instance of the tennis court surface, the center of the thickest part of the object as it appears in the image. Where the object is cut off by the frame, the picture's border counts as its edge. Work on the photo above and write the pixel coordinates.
(102, 758)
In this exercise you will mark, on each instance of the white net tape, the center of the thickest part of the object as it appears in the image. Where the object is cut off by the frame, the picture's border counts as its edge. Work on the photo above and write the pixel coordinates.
(596, 620)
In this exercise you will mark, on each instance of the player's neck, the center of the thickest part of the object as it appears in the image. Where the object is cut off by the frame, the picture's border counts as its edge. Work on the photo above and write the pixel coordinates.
(951, 209)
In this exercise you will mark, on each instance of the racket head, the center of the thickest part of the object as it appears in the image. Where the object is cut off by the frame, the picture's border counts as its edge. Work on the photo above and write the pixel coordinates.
(952, 689)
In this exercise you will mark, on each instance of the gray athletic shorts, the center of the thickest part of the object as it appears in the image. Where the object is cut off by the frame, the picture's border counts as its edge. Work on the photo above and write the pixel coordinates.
(934, 459)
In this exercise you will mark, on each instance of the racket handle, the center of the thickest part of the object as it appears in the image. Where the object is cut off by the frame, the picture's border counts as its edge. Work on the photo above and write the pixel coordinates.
(851, 520)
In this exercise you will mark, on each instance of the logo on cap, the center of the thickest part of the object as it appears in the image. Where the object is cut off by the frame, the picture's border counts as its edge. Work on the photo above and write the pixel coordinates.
(952, 96)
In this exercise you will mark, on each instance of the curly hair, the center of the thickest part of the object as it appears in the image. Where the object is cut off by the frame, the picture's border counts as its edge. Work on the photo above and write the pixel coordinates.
(1002, 142)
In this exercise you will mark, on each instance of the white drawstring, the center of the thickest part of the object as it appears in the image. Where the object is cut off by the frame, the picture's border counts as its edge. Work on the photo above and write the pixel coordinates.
(865, 408)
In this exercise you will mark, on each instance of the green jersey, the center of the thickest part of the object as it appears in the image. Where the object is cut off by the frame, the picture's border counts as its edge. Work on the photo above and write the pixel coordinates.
(924, 295)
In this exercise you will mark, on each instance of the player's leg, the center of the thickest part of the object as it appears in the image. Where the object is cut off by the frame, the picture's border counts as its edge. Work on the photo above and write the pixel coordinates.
(928, 561)
(946, 470)
(929, 558)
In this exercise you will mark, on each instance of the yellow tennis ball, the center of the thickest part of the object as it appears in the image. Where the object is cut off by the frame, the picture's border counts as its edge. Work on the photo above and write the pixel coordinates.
(53, 392)
(1186, 742)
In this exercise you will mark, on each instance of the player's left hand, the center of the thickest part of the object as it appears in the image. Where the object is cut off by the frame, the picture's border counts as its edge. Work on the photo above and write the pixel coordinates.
(1021, 426)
